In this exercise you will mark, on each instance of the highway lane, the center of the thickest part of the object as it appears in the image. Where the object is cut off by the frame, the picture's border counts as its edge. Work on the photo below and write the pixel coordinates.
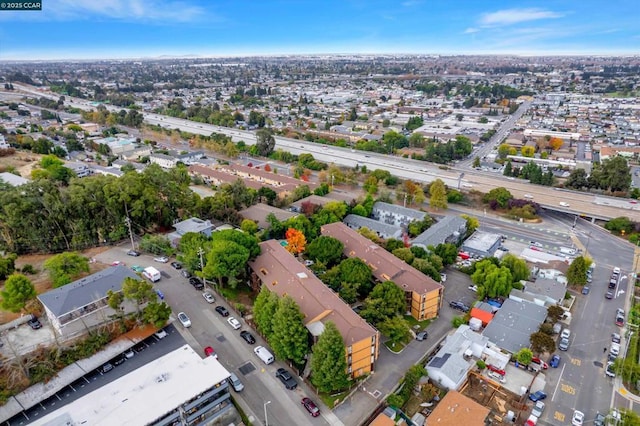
(405, 168)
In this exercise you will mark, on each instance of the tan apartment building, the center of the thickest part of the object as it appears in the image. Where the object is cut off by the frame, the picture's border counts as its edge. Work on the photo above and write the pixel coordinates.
(279, 271)
(423, 294)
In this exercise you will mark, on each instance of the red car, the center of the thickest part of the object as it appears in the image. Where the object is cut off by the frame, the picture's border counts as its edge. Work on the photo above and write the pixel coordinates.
(311, 407)
(208, 351)
(497, 370)
(542, 364)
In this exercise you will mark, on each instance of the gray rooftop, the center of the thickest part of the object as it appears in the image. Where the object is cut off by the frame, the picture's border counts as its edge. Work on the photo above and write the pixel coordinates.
(451, 359)
(481, 241)
(85, 291)
(13, 180)
(383, 229)
(193, 225)
(399, 210)
(514, 323)
(546, 287)
(440, 231)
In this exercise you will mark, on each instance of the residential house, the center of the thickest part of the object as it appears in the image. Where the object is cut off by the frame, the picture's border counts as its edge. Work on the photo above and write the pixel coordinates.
(259, 212)
(3, 143)
(82, 305)
(393, 214)
(163, 160)
(383, 230)
(545, 291)
(13, 180)
(423, 295)
(448, 230)
(514, 323)
(136, 153)
(279, 271)
(194, 224)
(457, 409)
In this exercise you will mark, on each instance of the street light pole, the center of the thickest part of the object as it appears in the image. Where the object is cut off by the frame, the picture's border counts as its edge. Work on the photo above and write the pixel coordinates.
(266, 422)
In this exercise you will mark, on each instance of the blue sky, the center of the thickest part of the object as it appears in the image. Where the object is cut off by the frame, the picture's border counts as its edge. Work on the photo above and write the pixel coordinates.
(85, 29)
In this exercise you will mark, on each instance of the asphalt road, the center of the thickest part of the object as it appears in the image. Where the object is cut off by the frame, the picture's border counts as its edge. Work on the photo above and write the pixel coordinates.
(210, 329)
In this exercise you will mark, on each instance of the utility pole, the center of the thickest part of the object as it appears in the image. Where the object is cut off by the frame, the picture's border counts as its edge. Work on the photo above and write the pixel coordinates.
(200, 253)
(128, 223)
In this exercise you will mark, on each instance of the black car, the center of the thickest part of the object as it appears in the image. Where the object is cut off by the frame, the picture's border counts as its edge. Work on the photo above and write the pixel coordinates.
(222, 311)
(34, 323)
(422, 336)
(139, 347)
(459, 306)
(105, 368)
(118, 360)
(196, 283)
(133, 253)
(248, 337)
(286, 379)
(176, 265)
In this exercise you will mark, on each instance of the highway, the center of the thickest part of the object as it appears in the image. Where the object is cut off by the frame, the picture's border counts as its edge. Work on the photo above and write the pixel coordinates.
(404, 168)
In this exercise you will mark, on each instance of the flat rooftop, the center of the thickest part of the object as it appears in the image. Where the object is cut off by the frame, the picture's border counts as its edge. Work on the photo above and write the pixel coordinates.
(145, 394)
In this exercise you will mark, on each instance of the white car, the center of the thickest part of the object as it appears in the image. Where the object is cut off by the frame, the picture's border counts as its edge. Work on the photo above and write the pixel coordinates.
(578, 418)
(234, 323)
(473, 288)
(529, 196)
(565, 204)
(160, 334)
(208, 297)
(161, 259)
(184, 319)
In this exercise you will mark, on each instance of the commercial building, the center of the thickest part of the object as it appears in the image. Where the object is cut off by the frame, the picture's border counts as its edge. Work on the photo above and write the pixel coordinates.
(514, 323)
(423, 295)
(179, 388)
(280, 272)
(482, 244)
(383, 230)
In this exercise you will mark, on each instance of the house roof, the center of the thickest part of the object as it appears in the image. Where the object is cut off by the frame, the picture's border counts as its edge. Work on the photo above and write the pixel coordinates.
(84, 291)
(514, 322)
(456, 409)
(481, 241)
(282, 273)
(384, 229)
(193, 224)
(482, 315)
(546, 287)
(450, 359)
(259, 212)
(440, 231)
(385, 266)
(13, 180)
(399, 210)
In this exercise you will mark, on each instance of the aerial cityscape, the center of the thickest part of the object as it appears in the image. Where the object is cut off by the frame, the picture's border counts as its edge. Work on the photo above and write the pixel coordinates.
(347, 213)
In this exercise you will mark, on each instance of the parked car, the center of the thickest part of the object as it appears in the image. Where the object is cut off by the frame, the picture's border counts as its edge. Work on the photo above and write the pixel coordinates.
(619, 321)
(577, 418)
(495, 369)
(234, 323)
(542, 364)
(459, 306)
(538, 409)
(235, 382)
(208, 351)
(498, 377)
(609, 371)
(286, 378)
(34, 322)
(615, 338)
(585, 290)
(422, 335)
(555, 361)
(248, 337)
(161, 259)
(129, 354)
(120, 359)
(473, 288)
(105, 368)
(176, 265)
(196, 283)
(137, 268)
(133, 253)
(160, 334)
(563, 345)
(609, 294)
(185, 273)
(311, 407)
(222, 311)
(208, 297)
(599, 420)
(184, 320)
(537, 396)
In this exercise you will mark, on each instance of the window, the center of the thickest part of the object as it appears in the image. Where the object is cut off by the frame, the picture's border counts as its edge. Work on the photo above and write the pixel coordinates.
(386, 277)
(373, 350)
(349, 350)
(350, 370)
(264, 271)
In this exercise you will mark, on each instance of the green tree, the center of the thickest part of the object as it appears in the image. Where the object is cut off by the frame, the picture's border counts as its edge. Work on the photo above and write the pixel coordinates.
(138, 291)
(426, 267)
(249, 226)
(620, 225)
(476, 162)
(577, 272)
(438, 195)
(264, 310)
(616, 176)
(17, 291)
(385, 301)
(115, 299)
(524, 356)
(542, 342)
(327, 250)
(404, 253)
(289, 335)
(65, 267)
(156, 313)
(503, 151)
(396, 329)
(447, 252)
(497, 197)
(156, 244)
(472, 223)
(577, 179)
(329, 361)
(265, 142)
(492, 281)
(226, 259)
(554, 313)
(7, 265)
(354, 270)
(518, 267)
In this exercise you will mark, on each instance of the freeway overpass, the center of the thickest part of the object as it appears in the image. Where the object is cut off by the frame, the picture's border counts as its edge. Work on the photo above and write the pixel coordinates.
(463, 178)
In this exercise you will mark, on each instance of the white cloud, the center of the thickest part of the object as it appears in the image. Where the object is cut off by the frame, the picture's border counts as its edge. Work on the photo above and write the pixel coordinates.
(514, 16)
(160, 11)
(471, 30)
(409, 3)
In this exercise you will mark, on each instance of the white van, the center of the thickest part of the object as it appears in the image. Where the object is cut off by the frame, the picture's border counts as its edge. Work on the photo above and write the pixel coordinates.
(263, 354)
(152, 274)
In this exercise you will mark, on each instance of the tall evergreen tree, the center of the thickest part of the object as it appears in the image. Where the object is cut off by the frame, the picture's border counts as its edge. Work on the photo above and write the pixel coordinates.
(264, 309)
(289, 335)
(329, 363)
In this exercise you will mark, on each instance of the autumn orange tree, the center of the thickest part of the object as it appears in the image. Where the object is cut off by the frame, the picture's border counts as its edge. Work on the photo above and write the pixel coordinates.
(555, 143)
(296, 241)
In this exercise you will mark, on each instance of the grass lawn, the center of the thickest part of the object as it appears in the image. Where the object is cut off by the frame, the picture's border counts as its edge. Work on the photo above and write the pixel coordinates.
(330, 399)
(413, 322)
(397, 348)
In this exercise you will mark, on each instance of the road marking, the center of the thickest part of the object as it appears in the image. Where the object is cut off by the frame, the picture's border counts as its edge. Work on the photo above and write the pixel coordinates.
(553, 397)
(576, 361)
(568, 389)
(559, 416)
